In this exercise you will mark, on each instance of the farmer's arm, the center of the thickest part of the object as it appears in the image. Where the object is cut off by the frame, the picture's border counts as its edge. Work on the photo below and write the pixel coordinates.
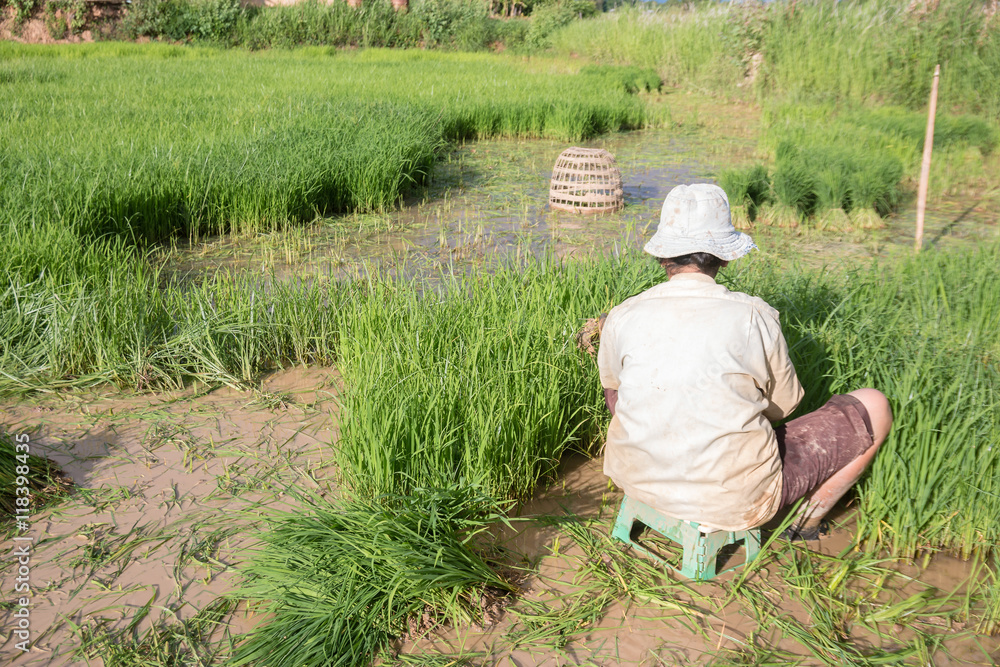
(783, 388)
(611, 400)
(610, 365)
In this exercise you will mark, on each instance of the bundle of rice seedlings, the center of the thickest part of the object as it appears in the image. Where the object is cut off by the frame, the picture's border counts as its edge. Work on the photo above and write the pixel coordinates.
(736, 184)
(748, 189)
(832, 192)
(874, 190)
(758, 185)
(342, 580)
(794, 189)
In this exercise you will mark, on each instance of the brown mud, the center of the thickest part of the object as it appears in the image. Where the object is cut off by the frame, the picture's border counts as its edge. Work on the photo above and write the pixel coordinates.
(169, 491)
(687, 623)
(172, 488)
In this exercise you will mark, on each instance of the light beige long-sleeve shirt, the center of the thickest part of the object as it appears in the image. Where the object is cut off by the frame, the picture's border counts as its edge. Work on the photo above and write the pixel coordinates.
(700, 373)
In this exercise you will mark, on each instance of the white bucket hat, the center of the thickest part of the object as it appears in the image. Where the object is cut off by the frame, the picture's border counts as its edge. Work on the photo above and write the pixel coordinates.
(695, 218)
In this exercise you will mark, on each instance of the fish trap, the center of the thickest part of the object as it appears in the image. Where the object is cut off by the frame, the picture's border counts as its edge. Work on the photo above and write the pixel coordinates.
(586, 180)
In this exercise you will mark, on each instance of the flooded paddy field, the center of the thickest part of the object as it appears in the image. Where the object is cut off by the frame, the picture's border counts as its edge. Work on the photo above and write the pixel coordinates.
(488, 202)
(175, 486)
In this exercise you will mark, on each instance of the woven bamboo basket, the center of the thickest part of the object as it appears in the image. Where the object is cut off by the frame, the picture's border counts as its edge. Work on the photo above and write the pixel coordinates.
(586, 180)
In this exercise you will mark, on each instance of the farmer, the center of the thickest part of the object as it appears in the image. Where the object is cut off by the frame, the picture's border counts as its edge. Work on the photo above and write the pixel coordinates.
(694, 375)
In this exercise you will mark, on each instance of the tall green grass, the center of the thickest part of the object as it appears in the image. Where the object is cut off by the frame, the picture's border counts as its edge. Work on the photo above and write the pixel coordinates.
(857, 51)
(682, 45)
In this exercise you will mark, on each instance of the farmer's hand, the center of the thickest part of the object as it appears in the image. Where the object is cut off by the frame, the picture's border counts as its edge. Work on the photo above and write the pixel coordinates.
(589, 335)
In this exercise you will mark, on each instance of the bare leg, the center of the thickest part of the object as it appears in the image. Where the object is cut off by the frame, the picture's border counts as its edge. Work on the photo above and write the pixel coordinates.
(826, 495)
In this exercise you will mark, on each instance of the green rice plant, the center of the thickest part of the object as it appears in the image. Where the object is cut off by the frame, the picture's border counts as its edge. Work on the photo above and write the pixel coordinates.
(475, 380)
(873, 190)
(949, 130)
(747, 189)
(287, 137)
(340, 581)
(922, 334)
(832, 191)
(632, 79)
(77, 314)
(827, 182)
(794, 188)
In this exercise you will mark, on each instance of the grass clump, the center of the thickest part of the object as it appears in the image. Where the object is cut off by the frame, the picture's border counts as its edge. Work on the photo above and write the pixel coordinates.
(814, 52)
(342, 580)
(747, 189)
(19, 468)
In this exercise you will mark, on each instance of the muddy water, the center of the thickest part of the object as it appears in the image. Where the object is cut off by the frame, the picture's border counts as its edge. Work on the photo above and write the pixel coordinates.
(488, 200)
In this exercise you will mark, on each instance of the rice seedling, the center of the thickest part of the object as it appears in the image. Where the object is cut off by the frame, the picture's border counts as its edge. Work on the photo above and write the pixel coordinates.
(794, 190)
(316, 135)
(476, 380)
(343, 579)
(550, 626)
(873, 191)
(898, 331)
(827, 183)
(190, 641)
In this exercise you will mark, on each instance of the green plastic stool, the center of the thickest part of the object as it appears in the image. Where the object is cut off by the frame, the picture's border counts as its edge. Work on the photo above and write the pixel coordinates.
(701, 544)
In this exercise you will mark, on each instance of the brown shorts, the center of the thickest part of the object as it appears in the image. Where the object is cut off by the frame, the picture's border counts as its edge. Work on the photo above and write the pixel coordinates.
(815, 446)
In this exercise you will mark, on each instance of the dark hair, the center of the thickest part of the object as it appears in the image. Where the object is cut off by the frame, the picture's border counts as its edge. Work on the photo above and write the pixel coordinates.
(706, 263)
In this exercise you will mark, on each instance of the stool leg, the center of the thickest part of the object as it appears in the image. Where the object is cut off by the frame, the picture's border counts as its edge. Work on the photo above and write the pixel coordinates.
(751, 544)
(712, 543)
(695, 551)
(624, 522)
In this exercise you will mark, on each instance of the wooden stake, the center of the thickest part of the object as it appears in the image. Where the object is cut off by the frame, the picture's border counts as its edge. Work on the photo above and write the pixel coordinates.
(925, 168)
